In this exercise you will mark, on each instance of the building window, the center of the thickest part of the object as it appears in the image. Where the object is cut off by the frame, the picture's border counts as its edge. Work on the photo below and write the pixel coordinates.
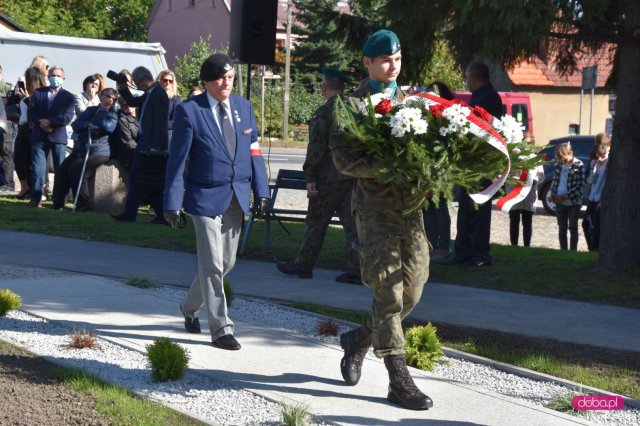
(169, 5)
(213, 3)
(191, 3)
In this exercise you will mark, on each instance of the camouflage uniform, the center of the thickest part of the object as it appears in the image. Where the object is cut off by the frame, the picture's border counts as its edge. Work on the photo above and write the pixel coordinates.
(334, 194)
(394, 252)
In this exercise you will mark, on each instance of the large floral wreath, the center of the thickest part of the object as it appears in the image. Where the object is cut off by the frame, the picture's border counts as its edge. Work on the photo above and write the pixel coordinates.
(432, 145)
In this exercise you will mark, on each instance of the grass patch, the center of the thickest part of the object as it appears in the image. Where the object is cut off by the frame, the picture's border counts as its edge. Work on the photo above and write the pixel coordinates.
(82, 339)
(295, 415)
(563, 402)
(537, 271)
(141, 282)
(119, 404)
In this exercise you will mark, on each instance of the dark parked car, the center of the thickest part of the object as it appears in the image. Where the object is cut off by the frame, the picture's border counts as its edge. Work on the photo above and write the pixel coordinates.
(581, 145)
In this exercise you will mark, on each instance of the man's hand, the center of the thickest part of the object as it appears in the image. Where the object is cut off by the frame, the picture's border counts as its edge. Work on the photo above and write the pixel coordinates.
(260, 207)
(173, 217)
(45, 125)
(312, 191)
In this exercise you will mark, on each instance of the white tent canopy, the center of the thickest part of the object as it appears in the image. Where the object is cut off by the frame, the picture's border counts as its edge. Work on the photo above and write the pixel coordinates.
(79, 57)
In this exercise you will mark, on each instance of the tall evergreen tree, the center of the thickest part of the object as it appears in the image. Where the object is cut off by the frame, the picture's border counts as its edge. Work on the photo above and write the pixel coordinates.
(315, 48)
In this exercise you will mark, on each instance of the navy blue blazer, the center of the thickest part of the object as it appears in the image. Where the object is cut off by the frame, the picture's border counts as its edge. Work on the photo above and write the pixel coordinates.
(59, 115)
(153, 131)
(207, 187)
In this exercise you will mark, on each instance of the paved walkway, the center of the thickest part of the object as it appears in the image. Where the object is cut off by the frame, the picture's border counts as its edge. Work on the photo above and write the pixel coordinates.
(278, 365)
(577, 322)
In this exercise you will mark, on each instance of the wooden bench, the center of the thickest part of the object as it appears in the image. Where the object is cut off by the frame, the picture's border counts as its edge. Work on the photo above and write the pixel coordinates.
(286, 179)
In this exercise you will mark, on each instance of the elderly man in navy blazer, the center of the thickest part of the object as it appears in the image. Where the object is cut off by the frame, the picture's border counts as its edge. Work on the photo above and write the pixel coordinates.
(50, 111)
(217, 135)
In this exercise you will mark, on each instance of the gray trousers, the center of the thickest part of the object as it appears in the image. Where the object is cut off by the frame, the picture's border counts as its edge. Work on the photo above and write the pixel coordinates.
(217, 243)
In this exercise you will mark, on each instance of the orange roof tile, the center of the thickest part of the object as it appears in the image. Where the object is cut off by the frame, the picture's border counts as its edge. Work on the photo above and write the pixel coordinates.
(536, 72)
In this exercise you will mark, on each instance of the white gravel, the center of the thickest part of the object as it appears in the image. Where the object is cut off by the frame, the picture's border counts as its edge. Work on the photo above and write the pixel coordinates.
(198, 395)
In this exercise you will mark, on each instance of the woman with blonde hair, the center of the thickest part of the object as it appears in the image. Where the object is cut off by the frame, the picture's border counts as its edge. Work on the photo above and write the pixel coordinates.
(168, 81)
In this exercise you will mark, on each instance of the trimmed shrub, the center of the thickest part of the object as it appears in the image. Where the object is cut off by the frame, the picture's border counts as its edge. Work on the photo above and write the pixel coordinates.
(168, 360)
(9, 301)
(423, 347)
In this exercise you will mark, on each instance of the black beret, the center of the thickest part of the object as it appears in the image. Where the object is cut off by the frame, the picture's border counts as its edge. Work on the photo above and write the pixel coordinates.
(215, 66)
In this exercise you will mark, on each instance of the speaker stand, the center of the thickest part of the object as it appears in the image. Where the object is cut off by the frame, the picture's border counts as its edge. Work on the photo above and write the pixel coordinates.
(249, 82)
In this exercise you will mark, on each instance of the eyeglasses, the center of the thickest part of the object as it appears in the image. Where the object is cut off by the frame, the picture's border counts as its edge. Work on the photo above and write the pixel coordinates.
(167, 80)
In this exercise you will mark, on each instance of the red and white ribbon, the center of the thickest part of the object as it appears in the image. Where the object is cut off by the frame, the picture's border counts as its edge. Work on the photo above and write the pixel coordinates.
(487, 131)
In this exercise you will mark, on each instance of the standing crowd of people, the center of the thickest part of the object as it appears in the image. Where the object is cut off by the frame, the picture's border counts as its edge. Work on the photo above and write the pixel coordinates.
(50, 129)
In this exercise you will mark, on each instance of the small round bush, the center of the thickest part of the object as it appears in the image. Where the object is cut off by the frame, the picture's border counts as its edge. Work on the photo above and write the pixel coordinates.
(228, 291)
(9, 301)
(423, 347)
(168, 360)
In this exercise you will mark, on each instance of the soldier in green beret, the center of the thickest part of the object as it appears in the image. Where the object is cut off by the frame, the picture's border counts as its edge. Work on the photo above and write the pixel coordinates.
(328, 191)
(393, 247)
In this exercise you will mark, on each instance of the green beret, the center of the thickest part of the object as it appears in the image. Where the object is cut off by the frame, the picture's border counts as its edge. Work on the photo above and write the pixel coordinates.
(335, 74)
(382, 42)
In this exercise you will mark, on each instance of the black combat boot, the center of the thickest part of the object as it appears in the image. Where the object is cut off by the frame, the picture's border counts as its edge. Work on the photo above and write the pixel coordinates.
(402, 390)
(355, 344)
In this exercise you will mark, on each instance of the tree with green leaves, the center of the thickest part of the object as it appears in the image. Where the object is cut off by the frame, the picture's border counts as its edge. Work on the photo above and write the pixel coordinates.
(560, 32)
(187, 67)
(102, 19)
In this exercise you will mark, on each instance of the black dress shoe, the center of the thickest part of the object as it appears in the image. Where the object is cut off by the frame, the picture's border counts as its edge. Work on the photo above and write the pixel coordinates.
(290, 268)
(479, 262)
(192, 325)
(457, 261)
(227, 342)
(349, 278)
(159, 221)
(122, 218)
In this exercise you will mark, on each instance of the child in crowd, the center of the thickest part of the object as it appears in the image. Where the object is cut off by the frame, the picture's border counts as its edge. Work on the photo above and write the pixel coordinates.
(596, 179)
(566, 192)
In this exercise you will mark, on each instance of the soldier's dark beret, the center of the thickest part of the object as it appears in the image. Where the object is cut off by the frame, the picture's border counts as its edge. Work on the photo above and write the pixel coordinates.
(382, 42)
(335, 74)
(215, 66)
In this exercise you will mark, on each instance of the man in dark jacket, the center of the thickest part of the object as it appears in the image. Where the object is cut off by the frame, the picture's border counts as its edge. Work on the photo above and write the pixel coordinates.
(50, 111)
(146, 177)
(474, 224)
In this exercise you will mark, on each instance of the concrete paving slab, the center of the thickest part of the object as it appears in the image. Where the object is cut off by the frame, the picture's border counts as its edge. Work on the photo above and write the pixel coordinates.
(276, 364)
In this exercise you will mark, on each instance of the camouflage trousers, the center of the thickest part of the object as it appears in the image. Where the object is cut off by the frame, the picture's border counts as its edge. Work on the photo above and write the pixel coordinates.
(333, 198)
(394, 259)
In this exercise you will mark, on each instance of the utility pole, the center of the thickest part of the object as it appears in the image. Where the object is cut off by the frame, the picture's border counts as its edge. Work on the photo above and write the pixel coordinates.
(287, 65)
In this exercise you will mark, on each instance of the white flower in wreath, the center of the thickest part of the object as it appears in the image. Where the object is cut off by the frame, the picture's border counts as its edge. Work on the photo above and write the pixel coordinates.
(511, 129)
(420, 127)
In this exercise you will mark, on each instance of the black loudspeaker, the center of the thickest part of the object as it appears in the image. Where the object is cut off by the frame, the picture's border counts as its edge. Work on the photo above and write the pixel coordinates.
(252, 37)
